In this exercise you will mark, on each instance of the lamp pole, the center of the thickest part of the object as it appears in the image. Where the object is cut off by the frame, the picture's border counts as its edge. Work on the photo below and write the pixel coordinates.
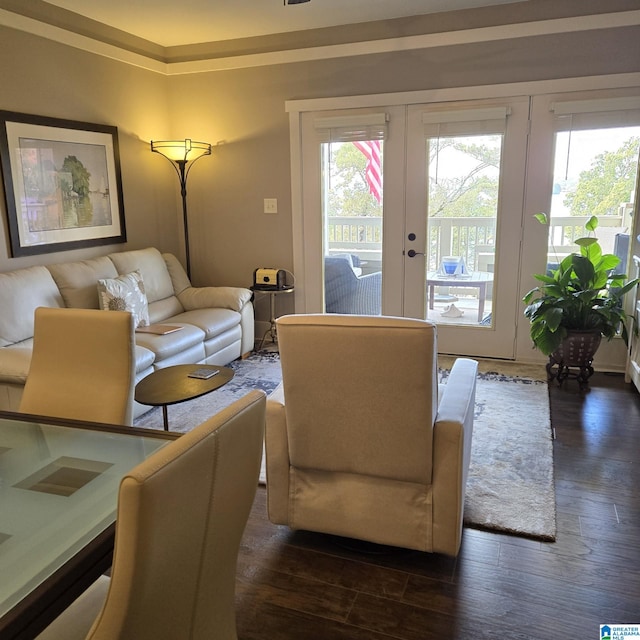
(182, 176)
(180, 153)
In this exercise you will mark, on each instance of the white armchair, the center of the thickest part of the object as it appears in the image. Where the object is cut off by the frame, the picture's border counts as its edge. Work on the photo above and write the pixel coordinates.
(358, 443)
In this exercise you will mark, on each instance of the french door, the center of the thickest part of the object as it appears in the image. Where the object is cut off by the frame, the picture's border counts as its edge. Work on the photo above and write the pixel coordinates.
(399, 193)
(463, 220)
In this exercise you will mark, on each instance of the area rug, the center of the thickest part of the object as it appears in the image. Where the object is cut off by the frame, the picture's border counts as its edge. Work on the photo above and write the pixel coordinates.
(510, 486)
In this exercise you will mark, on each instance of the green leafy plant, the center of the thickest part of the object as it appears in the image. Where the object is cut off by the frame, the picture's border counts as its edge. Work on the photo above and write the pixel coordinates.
(585, 293)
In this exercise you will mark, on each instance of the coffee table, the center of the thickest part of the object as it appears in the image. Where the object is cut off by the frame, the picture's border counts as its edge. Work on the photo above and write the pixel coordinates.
(173, 385)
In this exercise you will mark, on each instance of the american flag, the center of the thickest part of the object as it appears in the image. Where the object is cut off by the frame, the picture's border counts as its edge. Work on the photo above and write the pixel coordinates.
(371, 151)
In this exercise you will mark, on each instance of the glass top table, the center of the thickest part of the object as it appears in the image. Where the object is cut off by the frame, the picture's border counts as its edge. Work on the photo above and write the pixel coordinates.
(59, 484)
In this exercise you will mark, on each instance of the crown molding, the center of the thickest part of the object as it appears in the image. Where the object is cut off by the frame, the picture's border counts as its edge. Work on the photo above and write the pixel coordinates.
(78, 41)
(386, 45)
(478, 92)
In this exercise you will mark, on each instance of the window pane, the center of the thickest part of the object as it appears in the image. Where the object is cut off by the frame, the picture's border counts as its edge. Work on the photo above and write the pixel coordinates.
(463, 186)
(352, 216)
(595, 173)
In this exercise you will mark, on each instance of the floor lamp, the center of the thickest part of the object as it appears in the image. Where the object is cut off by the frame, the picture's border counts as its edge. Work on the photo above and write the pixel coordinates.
(182, 154)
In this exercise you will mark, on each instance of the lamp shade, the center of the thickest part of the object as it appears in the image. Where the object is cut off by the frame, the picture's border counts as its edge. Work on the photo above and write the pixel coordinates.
(181, 150)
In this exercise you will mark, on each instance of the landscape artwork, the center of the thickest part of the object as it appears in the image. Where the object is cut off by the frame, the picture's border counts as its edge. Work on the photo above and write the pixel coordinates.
(62, 184)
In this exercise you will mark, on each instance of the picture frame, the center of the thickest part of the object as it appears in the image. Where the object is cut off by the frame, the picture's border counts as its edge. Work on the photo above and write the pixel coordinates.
(62, 184)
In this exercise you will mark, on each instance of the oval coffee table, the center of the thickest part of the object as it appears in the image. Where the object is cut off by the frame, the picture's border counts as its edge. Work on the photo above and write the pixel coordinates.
(172, 385)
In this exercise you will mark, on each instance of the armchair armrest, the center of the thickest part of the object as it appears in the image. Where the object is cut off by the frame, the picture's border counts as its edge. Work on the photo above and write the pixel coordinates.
(277, 455)
(452, 435)
(368, 298)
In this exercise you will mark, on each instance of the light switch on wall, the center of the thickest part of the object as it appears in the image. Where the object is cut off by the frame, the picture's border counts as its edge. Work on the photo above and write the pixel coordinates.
(271, 205)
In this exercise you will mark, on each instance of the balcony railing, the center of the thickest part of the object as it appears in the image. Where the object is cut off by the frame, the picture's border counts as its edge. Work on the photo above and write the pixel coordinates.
(467, 237)
(472, 238)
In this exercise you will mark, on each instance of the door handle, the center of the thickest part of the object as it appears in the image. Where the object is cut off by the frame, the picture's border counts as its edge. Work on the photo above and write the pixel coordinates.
(412, 253)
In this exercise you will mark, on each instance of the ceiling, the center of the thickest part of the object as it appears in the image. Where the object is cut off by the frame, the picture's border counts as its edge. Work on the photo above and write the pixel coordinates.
(169, 23)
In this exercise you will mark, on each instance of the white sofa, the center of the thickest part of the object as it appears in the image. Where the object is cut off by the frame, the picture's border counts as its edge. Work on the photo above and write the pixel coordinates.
(217, 322)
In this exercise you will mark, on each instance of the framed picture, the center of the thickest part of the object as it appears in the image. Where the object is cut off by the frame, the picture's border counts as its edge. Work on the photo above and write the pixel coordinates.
(62, 184)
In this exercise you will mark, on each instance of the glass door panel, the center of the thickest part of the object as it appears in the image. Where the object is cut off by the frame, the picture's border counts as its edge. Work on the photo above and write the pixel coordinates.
(595, 173)
(465, 190)
(352, 215)
(462, 210)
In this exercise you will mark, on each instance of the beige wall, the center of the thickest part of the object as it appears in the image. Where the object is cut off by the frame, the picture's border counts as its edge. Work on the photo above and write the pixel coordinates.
(244, 112)
(246, 109)
(45, 78)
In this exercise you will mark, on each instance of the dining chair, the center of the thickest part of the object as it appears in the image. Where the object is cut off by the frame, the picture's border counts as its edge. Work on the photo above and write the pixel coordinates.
(181, 516)
(361, 440)
(82, 367)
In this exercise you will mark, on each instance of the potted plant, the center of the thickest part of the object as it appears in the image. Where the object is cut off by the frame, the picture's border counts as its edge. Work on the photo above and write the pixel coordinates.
(577, 304)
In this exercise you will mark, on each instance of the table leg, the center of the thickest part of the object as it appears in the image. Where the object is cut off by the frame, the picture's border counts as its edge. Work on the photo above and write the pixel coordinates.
(482, 294)
(432, 294)
(272, 320)
(165, 417)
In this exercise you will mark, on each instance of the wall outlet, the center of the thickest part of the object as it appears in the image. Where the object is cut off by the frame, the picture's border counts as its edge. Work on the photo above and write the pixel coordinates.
(271, 205)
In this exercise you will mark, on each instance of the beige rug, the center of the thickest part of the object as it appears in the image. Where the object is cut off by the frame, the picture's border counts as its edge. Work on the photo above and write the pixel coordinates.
(510, 486)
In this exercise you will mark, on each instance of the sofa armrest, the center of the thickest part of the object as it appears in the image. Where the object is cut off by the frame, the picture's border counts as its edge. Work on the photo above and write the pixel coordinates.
(15, 363)
(452, 435)
(234, 298)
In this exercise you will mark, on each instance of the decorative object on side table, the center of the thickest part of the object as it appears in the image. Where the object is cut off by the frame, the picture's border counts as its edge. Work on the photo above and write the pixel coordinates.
(180, 153)
(577, 304)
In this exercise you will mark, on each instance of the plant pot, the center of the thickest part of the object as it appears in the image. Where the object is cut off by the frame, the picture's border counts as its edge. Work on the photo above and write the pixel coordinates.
(576, 352)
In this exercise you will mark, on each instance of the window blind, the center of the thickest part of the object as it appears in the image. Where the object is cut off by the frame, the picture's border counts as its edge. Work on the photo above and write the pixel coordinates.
(371, 126)
(598, 113)
(452, 122)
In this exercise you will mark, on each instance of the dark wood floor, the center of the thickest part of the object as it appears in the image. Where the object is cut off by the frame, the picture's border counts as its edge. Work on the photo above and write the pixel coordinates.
(307, 586)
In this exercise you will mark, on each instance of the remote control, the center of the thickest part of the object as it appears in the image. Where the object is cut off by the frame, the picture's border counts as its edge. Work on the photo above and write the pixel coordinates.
(204, 374)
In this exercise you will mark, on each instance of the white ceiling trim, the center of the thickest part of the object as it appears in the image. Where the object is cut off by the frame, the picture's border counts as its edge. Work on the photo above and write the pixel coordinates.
(479, 92)
(77, 41)
(408, 43)
(426, 41)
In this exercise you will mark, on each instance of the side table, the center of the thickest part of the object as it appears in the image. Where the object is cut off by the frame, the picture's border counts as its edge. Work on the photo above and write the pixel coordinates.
(273, 293)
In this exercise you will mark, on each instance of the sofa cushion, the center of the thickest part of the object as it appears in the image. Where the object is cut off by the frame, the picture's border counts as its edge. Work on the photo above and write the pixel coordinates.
(177, 273)
(212, 321)
(161, 310)
(125, 293)
(152, 267)
(77, 280)
(168, 345)
(21, 292)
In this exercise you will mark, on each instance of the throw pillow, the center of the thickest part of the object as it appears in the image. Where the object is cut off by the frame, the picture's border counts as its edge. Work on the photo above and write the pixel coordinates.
(125, 293)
